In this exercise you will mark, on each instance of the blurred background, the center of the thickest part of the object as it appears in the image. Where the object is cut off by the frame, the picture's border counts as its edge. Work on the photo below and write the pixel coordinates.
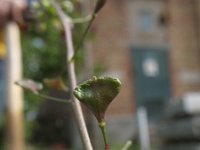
(152, 46)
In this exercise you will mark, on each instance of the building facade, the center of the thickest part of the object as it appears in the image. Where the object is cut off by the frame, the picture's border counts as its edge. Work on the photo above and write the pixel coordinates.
(120, 28)
(171, 26)
(153, 48)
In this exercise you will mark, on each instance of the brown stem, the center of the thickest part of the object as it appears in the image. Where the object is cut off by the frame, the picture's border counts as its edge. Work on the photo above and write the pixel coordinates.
(72, 78)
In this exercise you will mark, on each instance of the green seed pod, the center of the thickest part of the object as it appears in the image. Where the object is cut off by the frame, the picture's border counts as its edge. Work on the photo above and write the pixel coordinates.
(97, 94)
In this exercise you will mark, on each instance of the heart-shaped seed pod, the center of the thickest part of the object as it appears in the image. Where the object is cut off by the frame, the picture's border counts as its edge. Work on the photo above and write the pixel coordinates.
(97, 94)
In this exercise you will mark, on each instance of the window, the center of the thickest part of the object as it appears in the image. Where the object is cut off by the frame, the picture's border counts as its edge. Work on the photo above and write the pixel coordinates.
(145, 20)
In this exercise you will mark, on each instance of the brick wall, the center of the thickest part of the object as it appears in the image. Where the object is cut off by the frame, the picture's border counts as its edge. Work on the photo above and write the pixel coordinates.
(111, 50)
(184, 50)
(113, 39)
(115, 32)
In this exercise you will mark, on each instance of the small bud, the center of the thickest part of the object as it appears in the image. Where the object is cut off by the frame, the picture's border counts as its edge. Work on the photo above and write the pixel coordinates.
(99, 5)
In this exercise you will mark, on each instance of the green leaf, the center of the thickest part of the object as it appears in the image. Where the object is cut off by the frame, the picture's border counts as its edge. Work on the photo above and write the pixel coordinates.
(97, 94)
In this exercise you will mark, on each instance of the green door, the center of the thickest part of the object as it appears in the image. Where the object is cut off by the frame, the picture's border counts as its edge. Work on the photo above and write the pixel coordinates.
(151, 79)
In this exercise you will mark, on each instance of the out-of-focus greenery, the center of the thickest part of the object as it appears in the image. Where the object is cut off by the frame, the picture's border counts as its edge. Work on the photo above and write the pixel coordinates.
(44, 49)
(43, 43)
(43, 40)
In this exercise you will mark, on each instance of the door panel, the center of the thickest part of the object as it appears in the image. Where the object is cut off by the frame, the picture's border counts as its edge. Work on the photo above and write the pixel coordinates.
(151, 79)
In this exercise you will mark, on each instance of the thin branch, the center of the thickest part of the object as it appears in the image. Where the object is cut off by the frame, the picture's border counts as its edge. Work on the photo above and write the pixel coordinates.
(67, 23)
(82, 20)
(98, 6)
(53, 98)
(83, 37)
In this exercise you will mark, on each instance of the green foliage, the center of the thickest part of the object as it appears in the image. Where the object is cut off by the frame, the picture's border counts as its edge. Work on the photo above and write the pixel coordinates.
(44, 49)
(43, 54)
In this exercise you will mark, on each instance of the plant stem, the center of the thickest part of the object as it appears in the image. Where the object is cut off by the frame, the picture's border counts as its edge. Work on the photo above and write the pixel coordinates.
(72, 78)
(53, 98)
(102, 125)
(83, 37)
(82, 20)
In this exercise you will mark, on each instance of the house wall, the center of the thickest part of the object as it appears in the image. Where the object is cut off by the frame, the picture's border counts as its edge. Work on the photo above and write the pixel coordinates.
(144, 23)
(184, 45)
(118, 27)
(111, 50)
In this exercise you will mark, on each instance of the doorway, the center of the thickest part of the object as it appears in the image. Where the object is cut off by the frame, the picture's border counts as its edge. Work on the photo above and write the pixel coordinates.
(151, 79)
